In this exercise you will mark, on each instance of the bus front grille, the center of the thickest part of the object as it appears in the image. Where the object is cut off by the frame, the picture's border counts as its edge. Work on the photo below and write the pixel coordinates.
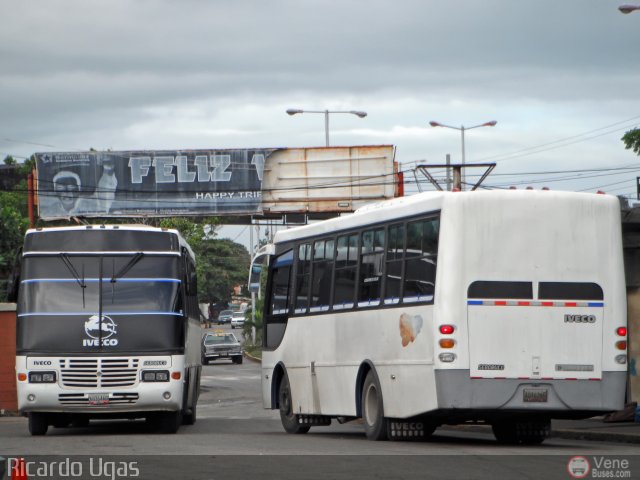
(84, 399)
(99, 372)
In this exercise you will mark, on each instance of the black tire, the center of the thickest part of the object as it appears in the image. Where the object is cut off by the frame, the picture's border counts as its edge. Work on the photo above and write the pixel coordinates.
(287, 417)
(166, 422)
(191, 417)
(375, 425)
(205, 361)
(522, 432)
(38, 424)
(237, 360)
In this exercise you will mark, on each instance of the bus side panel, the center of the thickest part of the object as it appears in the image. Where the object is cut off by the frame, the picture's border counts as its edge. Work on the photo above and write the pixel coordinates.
(192, 343)
(323, 380)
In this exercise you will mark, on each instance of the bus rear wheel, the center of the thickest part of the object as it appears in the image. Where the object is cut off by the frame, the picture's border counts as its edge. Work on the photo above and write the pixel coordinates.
(375, 425)
(525, 432)
(287, 417)
(38, 424)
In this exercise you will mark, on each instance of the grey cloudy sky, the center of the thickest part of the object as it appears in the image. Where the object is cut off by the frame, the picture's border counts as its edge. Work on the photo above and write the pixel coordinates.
(152, 74)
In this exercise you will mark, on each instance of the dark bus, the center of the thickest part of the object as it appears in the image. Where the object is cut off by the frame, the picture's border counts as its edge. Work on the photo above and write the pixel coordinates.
(107, 327)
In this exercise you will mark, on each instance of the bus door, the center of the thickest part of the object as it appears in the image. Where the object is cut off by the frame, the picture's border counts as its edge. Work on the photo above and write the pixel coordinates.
(557, 336)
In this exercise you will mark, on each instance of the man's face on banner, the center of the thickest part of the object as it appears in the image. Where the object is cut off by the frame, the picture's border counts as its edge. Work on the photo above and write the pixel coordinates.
(67, 189)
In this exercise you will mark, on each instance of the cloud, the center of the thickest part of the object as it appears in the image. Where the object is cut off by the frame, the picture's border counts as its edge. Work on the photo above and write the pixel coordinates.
(163, 74)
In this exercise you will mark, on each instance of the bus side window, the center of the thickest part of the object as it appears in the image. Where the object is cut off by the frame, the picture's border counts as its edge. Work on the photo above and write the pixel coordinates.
(395, 250)
(346, 265)
(321, 275)
(280, 296)
(420, 260)
(303, 280)
(371, 265)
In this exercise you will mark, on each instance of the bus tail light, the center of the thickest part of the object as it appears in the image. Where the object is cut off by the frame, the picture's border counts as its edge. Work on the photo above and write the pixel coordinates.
(447, 329)
(176, 375)
(447, 357)
(621, 331)
(621, 345)
(22, 377)
(621, 359)
(447, 343)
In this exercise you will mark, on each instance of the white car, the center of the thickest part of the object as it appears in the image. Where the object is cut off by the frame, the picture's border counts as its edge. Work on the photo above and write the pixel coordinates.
(237, 320)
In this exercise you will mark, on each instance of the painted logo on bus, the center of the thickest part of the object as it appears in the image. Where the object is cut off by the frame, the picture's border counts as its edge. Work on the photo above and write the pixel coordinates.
(410, 326)
(92, 328)
(568, 318)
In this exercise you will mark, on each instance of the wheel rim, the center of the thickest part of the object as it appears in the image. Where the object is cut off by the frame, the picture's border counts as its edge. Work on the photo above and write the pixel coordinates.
(371, 405)
(285, 401)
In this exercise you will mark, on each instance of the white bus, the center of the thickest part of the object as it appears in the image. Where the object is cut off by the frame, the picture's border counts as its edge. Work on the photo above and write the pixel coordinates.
(107, 327)
(502, 307)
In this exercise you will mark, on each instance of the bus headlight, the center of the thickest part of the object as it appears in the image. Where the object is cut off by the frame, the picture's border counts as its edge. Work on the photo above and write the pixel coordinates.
(42, 377)
(155, 376)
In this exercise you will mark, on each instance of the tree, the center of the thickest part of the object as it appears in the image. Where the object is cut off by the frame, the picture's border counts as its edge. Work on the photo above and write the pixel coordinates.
(14, 221)
(222, 264)
(631, 140)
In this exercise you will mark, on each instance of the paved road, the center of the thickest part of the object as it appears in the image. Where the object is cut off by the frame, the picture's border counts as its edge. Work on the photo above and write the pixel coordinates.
(232, 425)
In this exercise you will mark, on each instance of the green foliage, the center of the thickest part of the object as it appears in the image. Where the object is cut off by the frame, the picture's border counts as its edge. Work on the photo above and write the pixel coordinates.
(631, 140)
(222, 264)
(14, 222)
(258, 322)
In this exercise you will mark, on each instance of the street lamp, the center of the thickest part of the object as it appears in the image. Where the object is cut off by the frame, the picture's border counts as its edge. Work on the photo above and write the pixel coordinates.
(628, 8)
(294, 111)
(462, 129)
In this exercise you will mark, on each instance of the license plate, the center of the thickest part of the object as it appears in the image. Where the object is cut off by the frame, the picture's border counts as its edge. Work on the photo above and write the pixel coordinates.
(535, 395)
(98, 398)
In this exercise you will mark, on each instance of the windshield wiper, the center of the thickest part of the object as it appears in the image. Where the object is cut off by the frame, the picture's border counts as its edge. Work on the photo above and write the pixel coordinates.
(74, 272)
(136, 258)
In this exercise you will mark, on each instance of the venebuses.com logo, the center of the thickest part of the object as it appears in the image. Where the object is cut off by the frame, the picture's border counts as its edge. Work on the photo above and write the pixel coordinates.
(598, 467)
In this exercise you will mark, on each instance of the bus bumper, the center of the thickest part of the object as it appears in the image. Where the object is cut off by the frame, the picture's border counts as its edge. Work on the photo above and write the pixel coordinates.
(60, 398)
(559, 398)
(166, 396)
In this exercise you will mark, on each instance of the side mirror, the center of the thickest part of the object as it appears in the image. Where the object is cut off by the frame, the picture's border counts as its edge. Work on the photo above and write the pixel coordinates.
(254, 278)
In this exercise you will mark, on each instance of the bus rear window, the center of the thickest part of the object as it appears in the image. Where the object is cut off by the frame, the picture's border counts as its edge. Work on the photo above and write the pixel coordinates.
(501, 290)
(570, 291)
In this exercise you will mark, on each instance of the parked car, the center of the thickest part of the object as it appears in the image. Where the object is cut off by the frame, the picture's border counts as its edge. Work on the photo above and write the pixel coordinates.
(225, 316)
(217, 345)
(237, 320)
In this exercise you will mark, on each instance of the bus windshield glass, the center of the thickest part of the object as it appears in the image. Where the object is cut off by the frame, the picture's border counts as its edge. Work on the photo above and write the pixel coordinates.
(100, 302)
(71, 284)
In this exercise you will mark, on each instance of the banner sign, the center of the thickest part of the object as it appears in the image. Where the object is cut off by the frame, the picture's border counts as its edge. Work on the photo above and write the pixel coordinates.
(150, 183)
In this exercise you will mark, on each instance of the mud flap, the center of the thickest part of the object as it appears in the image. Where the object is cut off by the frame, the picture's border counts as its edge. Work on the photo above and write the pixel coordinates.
(409, 430)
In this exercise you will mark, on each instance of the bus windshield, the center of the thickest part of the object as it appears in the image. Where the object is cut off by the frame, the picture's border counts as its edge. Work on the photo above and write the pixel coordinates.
(71, 284)
(79, 302)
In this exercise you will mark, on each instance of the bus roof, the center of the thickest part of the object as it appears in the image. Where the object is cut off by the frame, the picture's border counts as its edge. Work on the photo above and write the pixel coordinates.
(106, 228)
(423, 203)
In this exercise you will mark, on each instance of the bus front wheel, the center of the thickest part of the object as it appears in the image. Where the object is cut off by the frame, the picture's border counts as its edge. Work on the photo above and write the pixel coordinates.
(375, 425)
(38, 424)
(287, 417)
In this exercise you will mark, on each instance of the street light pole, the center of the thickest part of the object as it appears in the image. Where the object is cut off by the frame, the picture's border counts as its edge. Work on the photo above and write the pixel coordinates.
(358, 113)
(462, 129)
(326, 127)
